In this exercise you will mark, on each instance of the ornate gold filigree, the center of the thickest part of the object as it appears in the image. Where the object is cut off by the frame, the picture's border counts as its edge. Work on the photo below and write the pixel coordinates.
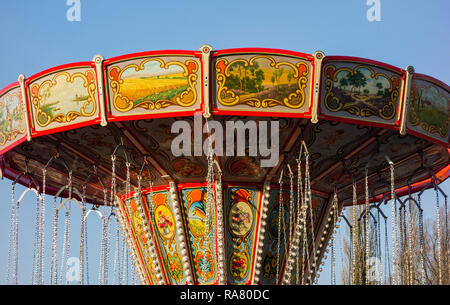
(43, 119)
(227, 97)
(334, 104)
(187, 98)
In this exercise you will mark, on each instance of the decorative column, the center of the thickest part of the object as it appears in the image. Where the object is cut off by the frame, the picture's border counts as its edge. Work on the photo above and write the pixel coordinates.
(318, 58)
(405, 99)
(98, 60)
(181, 234)
(262, 230)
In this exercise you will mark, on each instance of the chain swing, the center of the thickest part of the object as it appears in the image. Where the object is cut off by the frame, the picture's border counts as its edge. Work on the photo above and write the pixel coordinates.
(434, 181)
(281, 222)
(84, 266)
(66, 203)
(367, 207)
(13, 244)
(104, 268)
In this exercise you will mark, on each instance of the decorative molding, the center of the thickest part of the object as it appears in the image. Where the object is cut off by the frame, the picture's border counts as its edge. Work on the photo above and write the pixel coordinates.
(184, 249)
(405, 103)
(206, 59)
(220, 233)
(261, 230)
(98, 60)
(21, 80)
(318, 58)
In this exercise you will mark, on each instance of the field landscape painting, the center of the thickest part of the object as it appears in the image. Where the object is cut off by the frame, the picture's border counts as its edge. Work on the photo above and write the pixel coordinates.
(361, 92)
(153, 84)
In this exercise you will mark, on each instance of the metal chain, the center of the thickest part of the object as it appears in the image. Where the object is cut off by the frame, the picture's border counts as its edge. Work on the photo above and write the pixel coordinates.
(393, 225)
(438, 220)
(11, 233)
(280, 216)
(16, 246)
(366, 227)
(354, 232)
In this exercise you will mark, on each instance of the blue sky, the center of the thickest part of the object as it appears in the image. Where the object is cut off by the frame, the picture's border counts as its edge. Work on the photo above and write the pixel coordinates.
(36, 35)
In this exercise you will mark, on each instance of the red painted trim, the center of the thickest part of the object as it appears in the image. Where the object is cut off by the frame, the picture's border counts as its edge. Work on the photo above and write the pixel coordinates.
(431, 79)
(119, 58)
(260, 113)
(13, 144)
(392, 126)
(328, 59)
(36, 133)
(83, 64)
(9, 87)
(242, 184)
(257, 233)
(155, 115)
(426, 137)
(216, 53)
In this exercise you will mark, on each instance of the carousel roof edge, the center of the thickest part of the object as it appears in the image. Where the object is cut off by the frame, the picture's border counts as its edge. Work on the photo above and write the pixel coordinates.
(102, 81)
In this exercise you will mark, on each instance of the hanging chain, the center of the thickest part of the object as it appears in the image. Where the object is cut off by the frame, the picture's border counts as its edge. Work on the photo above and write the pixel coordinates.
(53, 263)
(16, 245)
(411, 246)
(83, 213)
(422, 241)
(280, 216)
(393, 225)
(11, 234)
(299, 218)
(438, 220)
(366, 228)
(354, 232)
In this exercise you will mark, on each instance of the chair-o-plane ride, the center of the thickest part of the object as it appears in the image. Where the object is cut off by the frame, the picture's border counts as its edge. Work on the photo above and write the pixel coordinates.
(352, 133)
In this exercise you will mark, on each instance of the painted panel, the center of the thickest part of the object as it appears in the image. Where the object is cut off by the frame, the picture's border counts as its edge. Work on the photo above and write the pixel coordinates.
(429, 110)
(63, 97)
(360, 92)
(242, 212)
(259, 82)
(12, 117)
(137, 225)
(201, 225)
(158, 84)
(166, 232)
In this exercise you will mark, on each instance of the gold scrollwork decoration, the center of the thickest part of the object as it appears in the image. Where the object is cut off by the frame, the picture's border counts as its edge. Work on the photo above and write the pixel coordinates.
(44, 118)
(124, 103)
(293, 100)
(360, 104)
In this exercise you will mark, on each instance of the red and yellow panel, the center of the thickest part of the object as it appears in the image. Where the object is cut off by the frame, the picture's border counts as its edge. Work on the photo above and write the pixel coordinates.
(153, 84)
(63, 97)
(262, 82)
(12, 118)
